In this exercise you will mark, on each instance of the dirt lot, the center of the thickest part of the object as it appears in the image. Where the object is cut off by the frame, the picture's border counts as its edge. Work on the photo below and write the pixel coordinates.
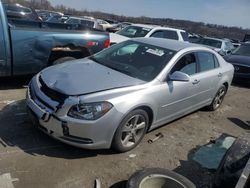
(32, 159)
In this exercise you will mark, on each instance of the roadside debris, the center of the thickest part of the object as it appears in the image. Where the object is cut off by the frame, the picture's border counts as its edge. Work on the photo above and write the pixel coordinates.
(210, 155)
(157, 137)
(132, 155)
(6, 180)
(97, 183)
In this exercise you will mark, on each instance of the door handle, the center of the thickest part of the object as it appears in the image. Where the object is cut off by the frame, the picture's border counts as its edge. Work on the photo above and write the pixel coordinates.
(196, 81)
(220, 75)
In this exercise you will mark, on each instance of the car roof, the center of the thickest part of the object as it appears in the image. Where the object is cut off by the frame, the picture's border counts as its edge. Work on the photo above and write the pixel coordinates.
(166, 43)
(80, 18)
(157, 27)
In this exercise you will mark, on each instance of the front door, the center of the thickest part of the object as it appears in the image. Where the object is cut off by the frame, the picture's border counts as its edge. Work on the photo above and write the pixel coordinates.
(176, 97)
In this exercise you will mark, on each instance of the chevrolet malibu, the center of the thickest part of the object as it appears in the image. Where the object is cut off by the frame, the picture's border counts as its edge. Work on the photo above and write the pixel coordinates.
(111, 99)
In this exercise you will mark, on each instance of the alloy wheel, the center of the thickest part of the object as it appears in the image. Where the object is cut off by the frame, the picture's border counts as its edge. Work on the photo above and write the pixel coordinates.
(133, 130)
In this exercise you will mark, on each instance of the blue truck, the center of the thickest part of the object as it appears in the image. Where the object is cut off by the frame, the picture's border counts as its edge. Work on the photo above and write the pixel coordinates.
(28, 47)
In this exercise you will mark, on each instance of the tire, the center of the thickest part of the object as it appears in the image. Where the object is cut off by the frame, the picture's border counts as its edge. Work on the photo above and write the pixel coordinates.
(63, 60)
(218, 99)
(130, 131)
(157, 178)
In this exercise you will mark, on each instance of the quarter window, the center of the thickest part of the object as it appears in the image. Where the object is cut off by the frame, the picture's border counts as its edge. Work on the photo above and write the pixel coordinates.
(187, 64)
(206, 61)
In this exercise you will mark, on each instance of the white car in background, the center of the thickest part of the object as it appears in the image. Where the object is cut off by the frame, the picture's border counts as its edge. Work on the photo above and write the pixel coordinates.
(146, 31)
(105, 24)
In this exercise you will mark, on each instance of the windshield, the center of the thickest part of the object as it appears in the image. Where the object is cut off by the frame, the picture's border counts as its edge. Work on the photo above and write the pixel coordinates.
(138, 60)
(134, 31)
(210, 42)
(243, 50)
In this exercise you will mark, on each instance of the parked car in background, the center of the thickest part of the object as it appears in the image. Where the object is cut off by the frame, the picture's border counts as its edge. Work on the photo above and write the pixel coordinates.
(106, 26)
(119, 27)
(30, 46)
(17, 11)
(114, 23)
(236, 43)
(114, 97)
(222, 46)
(141, 30)
(240, 59)
(46, 14)
(55, 19)
(246, 38)
(79, 21)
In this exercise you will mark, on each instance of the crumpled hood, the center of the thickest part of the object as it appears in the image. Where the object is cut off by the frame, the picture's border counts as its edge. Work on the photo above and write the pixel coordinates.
(238, 59)
(85, 76)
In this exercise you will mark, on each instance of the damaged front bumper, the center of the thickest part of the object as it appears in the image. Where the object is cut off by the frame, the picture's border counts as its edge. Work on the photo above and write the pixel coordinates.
(51, 117)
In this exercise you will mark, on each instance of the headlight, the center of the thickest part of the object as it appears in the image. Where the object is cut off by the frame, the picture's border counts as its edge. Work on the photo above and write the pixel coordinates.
(89, 111)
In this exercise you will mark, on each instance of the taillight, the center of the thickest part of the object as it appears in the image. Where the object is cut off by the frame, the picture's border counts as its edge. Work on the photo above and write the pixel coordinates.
(92, 43)
(107, 43)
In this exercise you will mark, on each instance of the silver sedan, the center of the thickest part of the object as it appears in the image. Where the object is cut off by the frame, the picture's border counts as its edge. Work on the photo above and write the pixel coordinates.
(113, 98)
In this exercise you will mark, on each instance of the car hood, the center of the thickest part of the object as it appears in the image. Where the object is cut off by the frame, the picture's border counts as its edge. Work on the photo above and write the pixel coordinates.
(238, 59)
(116, 38)
(84, 76)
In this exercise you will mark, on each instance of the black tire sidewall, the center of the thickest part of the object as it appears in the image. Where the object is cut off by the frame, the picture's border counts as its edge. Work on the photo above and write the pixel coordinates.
(135, 180)
(212, 107)
(116, 143)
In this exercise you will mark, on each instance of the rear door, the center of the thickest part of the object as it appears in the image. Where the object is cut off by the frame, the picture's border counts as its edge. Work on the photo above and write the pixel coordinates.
(207, 78)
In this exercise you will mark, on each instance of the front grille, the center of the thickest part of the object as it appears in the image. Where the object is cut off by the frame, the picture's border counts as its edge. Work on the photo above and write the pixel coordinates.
(34, 97)
(241, 69)
(52, 94)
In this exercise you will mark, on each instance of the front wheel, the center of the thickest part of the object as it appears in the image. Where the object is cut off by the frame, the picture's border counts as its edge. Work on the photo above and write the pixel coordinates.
(131, 131)
(218, 99)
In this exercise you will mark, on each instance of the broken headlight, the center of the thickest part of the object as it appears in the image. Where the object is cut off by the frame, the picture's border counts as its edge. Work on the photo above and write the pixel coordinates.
(89, 111)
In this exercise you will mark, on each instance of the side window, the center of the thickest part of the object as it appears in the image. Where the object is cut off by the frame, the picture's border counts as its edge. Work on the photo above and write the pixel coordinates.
(158, 34)
(171, 35)
(184, 35)
(187, 64)
(206, 61)
(216, 62)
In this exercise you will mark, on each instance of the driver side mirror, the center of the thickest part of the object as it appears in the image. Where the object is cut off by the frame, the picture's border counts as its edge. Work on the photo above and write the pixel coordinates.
(179, 76)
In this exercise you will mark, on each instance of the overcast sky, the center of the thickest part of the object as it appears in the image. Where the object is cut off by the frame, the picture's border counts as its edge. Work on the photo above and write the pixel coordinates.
(224, 12)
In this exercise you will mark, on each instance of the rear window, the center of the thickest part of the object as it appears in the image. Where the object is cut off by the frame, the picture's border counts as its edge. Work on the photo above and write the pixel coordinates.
(206, 61)
(167, 34)
(134, 31)
(243, 50)
(210, 42)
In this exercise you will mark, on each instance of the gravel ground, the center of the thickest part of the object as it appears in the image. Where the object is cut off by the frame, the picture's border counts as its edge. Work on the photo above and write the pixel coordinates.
(32, 159)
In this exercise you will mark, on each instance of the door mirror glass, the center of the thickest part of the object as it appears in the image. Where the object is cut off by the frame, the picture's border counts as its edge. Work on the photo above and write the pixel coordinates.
(179, 76)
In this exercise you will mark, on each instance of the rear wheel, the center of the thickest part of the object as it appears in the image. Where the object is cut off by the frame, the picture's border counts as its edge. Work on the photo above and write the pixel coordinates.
(63, 60)
(131, 131)
(218, 99)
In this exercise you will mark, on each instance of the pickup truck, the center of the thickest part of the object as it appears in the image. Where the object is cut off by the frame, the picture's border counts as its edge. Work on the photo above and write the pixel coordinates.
(27, 48)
